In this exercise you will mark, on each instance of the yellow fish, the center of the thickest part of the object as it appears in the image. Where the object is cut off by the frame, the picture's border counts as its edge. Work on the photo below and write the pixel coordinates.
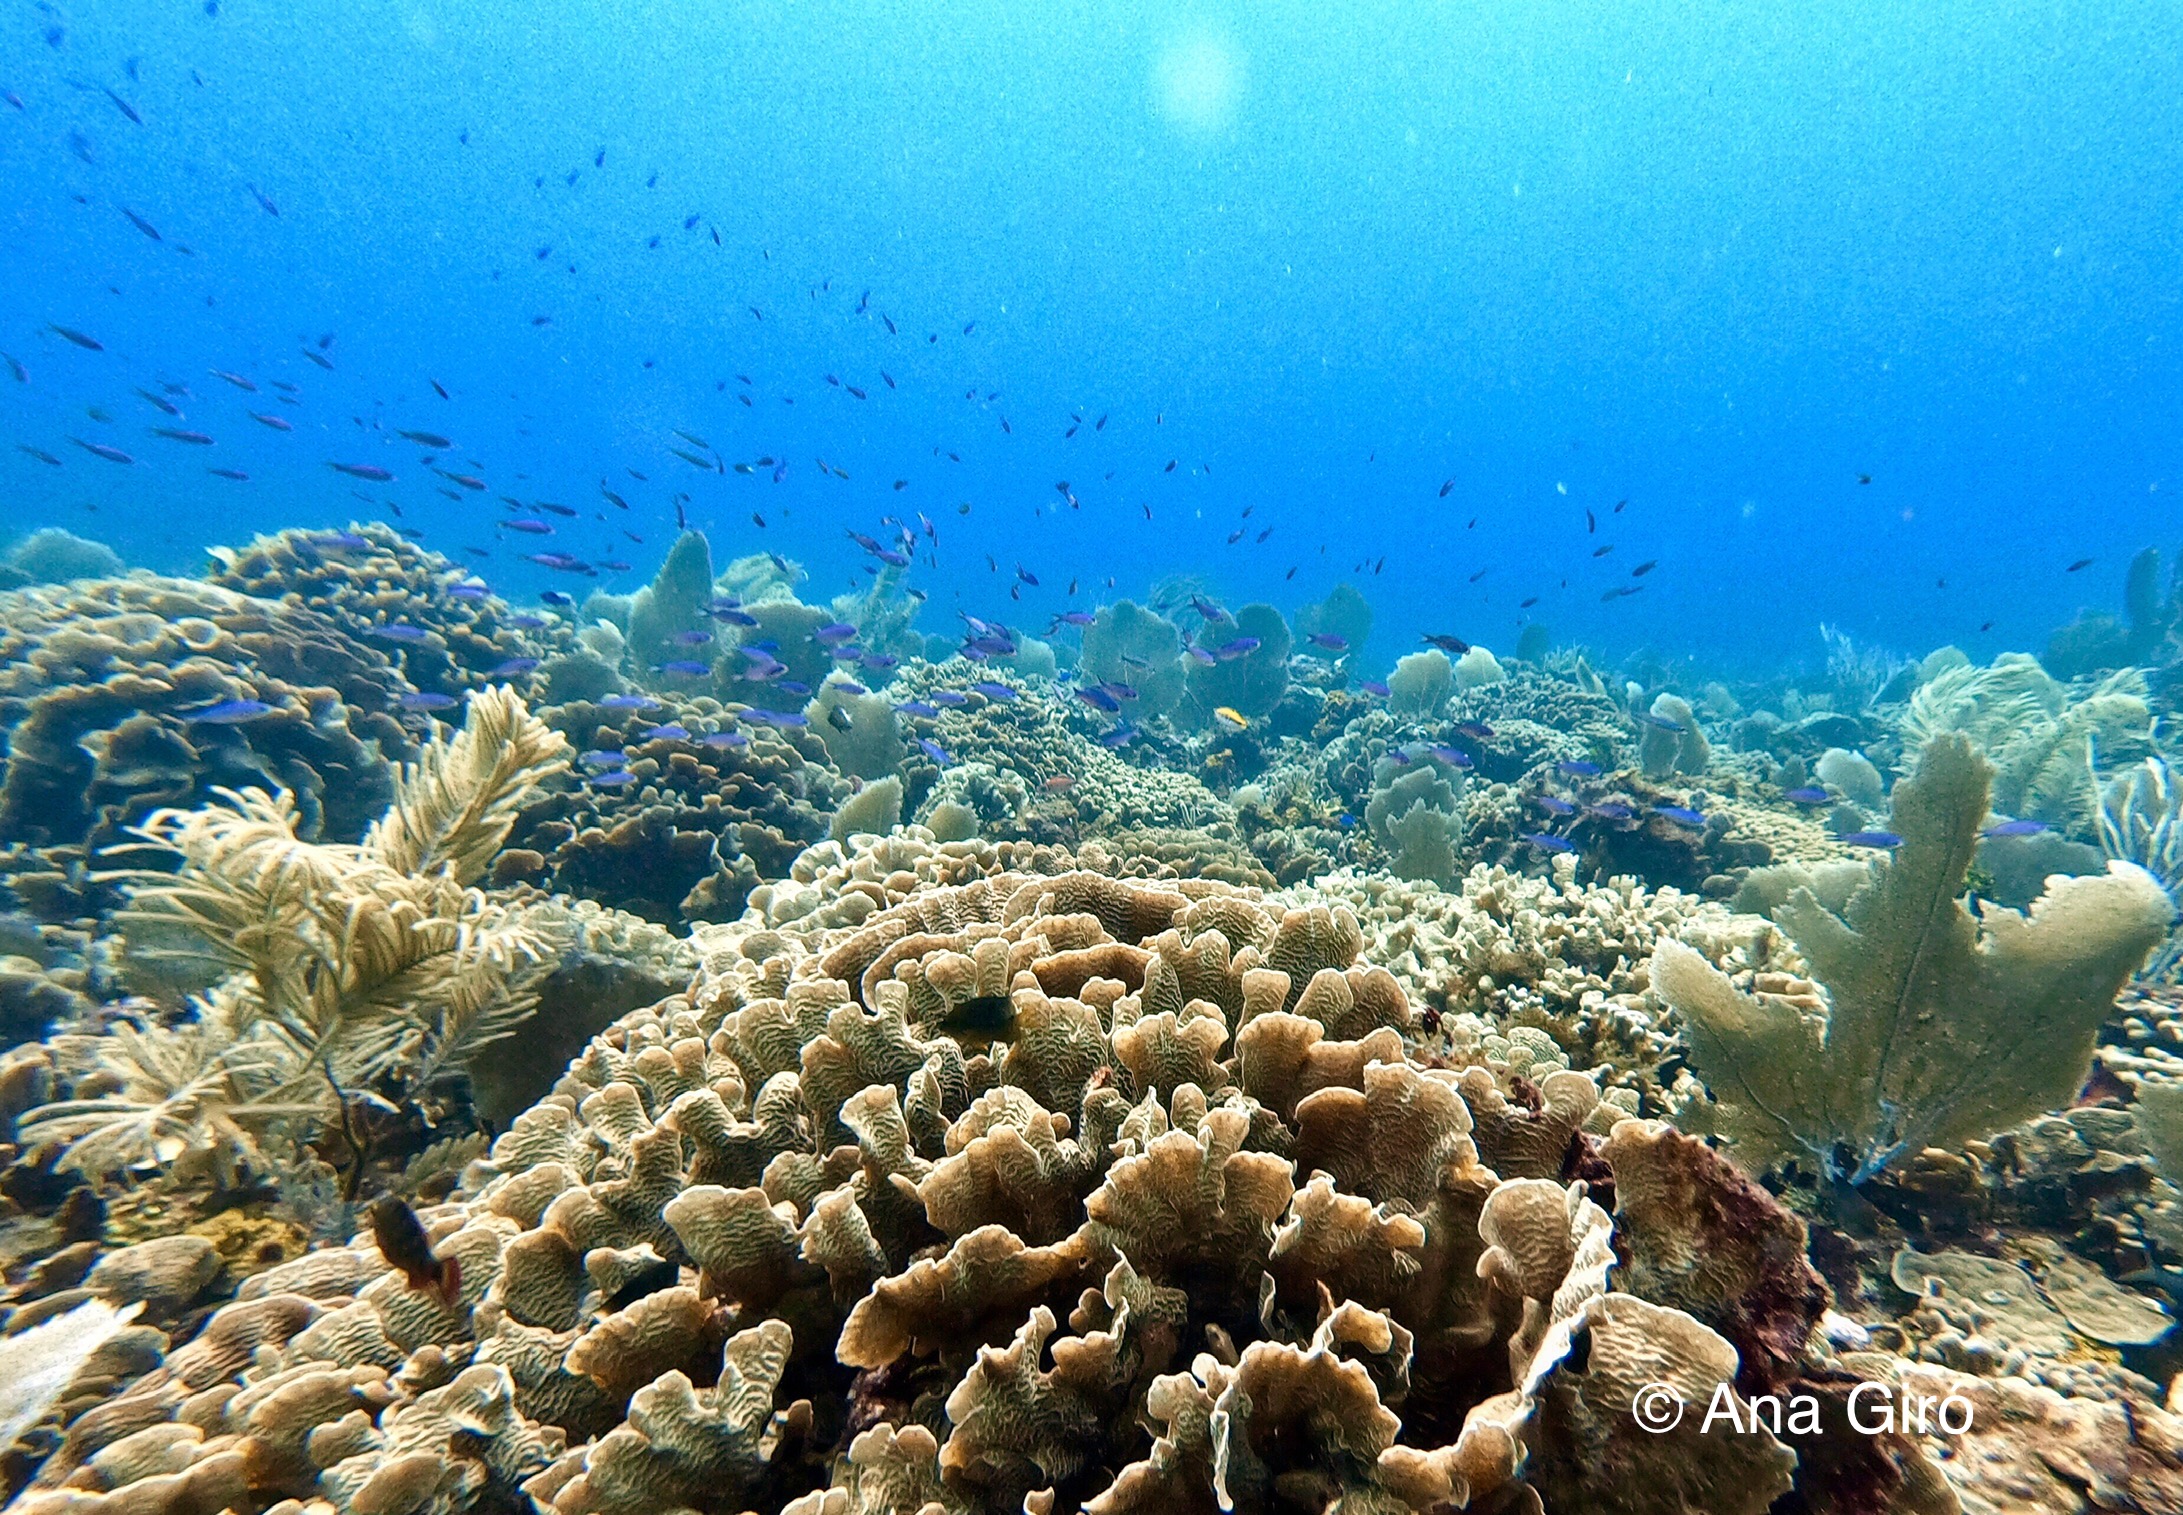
(1230, 719)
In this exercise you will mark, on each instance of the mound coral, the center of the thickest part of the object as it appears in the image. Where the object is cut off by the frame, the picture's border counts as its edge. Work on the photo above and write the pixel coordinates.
(464, 641)
(1940, 1026)
(120, 696)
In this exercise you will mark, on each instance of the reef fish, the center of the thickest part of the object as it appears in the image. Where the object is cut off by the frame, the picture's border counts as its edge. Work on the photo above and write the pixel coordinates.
(229, 713)
(1881, 839)
(403, 1243)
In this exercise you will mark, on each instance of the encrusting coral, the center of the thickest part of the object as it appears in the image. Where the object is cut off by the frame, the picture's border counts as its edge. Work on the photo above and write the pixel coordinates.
(331, 967)
(1940, 1026)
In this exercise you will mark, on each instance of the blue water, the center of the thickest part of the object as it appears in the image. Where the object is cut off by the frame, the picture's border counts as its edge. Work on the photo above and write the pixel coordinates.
(1716, 261)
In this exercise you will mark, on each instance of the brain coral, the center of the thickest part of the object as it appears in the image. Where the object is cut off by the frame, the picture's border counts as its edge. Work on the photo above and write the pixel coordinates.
(1183, 1226)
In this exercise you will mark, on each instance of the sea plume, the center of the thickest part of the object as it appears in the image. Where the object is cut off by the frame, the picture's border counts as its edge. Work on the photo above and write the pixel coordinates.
(336, 967)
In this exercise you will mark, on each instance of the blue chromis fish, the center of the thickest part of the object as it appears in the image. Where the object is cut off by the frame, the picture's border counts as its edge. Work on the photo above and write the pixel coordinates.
(1810, 794)
(2015, 828)
(1578, 768)
(1548, 842)
(427, 700)
(229, 713)
(1682, 815)
(1885, 840)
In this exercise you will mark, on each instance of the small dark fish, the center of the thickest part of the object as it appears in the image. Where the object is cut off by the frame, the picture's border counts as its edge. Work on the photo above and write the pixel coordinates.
(2079, 566)
(629, 702)
(1375, 688)
(142, 225)
(229, 713)
(1602, 551)
(70, 334)
(370, 472)
(229, 473)
(528, 525)
(101, 450)
(1810, 794)
(1547, 842)
(123, 106)
(1446, 485)
(159, 403)
(176, 434)
(402, 1242)
(987, 1018)
(1477, 731)
(39, 453)
(1882, 839)
(320, 359)
(1453, 645)
(1527, 604)
(2015, 828)
(235, 379)
(426, 439)
(339, 541)
(1099, 699)
(17, 371)
(265, 201)
(1661, 722)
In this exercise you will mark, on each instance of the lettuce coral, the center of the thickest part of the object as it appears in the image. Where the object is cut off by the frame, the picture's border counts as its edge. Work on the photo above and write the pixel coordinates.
(1940, 1026)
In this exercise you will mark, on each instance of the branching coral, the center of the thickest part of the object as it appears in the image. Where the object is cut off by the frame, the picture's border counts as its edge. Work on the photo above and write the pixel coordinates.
(336, 966)
(1941, 1026)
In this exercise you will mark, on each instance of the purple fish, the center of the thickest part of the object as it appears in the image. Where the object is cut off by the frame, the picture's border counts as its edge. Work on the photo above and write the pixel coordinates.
(229, 713)
(602, 758)
(933, 750)
(727, 740)
(993, 691)
(1809, 795)
(1682, 815)
(1099, 699)
(673, 731)
(839, 631)
(1374, 688)
(620, 778)
(2015, 828)
(1547, 842)
(1612, 810)
(793, 686)
(949, 697)
(1477, 731)
(400, 631)
(1881, 839)
(513, 668)
(1554, 805)
(427, 700)
(1328, 640)
(1241, 647)
(629, 702)
(734, 617)
(917, 708)
(684, 668)
(1577, 768)
(1454, 757)
(1120, 736)
(877, 662)
(691, 638)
